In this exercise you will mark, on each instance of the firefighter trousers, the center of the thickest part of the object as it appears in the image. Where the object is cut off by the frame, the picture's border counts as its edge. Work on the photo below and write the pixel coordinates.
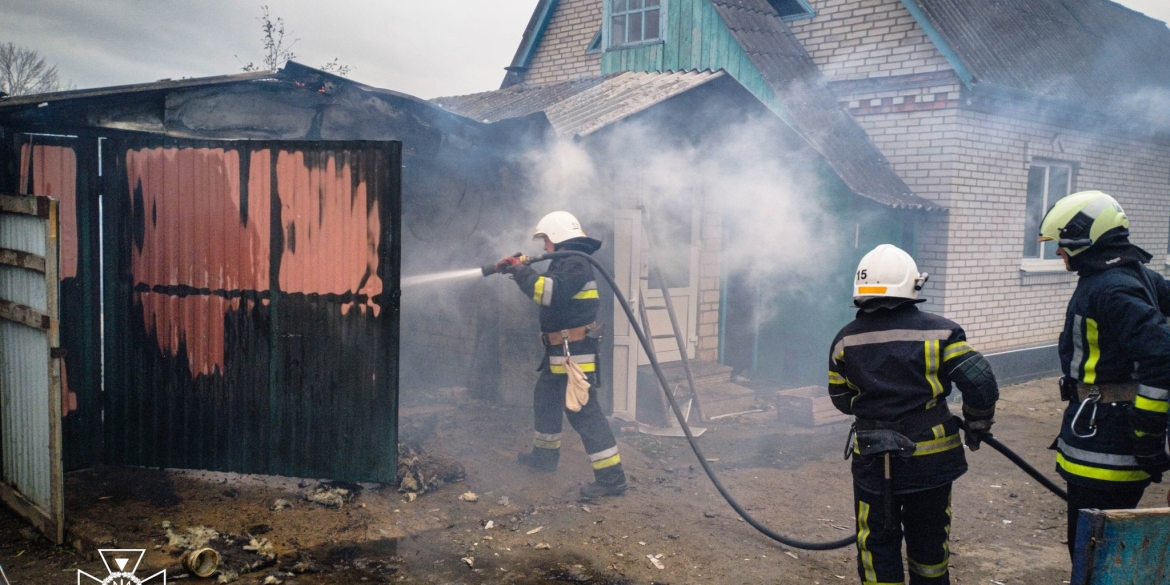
(1083, 498)
(549, 404)
(922, 518)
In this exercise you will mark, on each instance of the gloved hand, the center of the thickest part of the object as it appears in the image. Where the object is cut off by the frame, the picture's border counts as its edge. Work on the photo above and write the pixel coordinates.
(508, 265)
(1154, 465)
(973, 436)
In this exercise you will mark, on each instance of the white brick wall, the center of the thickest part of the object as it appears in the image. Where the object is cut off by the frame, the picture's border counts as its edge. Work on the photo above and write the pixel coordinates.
(561, 54)
(976, 164)
(857, 39)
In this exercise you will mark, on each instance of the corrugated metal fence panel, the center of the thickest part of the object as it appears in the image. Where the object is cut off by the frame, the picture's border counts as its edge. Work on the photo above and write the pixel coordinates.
(247, 329)
(29, 415)
(23, 380)
(24, 355)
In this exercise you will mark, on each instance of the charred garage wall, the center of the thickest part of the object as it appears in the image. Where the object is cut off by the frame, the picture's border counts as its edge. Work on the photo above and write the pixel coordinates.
(264, 311)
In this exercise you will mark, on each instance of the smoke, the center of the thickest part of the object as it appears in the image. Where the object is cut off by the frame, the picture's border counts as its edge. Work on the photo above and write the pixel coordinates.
(1150, 105)
(714, 192)
(741, 190)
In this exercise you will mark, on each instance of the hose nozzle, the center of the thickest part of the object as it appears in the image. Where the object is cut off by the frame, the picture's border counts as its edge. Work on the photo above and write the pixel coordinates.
(490, 269)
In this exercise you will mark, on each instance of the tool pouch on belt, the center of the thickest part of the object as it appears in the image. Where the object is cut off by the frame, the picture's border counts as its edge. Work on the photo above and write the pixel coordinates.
(577, 384)
(877, 442)
(878, 437)
(1068, 388)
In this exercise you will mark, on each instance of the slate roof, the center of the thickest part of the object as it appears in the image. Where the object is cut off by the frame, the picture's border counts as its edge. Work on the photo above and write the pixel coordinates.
(579, 107)
(798, 84)
(1087, 52)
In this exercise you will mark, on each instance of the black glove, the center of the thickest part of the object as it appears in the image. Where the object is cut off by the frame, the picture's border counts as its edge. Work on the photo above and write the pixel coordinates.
(973, 435)
(1154, 465)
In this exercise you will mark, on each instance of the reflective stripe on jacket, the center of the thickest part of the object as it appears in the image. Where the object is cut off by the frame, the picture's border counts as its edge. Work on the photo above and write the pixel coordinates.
(1115, 331)
(567, 291)
(891, 363)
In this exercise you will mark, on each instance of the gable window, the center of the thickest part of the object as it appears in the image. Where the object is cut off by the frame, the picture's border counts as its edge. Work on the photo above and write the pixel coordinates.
(792, 9)
(594, 45)
(1047, 184)
(633, 22)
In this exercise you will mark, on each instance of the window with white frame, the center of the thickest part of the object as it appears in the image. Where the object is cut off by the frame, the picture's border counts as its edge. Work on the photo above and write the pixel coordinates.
(1048, 182)
(632, 22)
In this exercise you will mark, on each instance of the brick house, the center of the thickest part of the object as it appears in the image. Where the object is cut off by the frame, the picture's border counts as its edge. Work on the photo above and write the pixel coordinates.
(989, 110)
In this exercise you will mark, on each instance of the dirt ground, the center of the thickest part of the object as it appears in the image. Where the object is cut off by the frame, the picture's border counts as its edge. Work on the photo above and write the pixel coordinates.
(1007, 529)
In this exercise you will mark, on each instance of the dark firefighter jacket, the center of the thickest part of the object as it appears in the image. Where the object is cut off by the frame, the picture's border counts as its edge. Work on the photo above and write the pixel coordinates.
(889, 364)
(1115, 331)
(568, 298)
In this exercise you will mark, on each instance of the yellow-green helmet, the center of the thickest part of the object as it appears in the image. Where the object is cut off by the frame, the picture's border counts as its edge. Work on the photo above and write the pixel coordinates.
(1079, 220)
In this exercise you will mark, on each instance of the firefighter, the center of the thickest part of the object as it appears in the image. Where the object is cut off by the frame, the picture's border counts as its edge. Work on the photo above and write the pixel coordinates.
(1115, 355)
(892, 369)
(568, 300)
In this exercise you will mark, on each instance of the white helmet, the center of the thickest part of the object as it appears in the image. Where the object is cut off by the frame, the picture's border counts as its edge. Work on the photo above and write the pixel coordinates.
(559, 226)
(887, 272)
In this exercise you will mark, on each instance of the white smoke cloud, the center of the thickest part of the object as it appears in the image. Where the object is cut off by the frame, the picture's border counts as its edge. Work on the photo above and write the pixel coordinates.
(774, 223)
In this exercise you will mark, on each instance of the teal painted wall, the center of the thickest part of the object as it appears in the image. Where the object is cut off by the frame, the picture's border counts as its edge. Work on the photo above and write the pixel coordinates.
(696, 39)
(791, 346)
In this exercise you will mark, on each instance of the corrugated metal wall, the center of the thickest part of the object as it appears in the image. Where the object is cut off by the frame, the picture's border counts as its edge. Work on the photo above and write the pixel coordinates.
(64, 168)
(29, 417)
(252, 306)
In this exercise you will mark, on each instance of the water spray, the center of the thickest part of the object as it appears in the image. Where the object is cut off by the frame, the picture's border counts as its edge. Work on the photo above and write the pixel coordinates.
(438, 277)
(678, 413)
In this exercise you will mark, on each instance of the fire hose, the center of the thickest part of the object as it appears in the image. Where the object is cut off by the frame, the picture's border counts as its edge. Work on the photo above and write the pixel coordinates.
(678, 414)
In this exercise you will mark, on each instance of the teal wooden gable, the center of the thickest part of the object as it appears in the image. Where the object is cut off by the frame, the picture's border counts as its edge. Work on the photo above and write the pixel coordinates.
(695, 38)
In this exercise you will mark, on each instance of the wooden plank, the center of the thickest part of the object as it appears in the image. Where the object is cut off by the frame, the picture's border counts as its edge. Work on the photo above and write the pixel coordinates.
(808, 406)
(34, 205)
(24, 315)
(28, 510)
(52, 304)
(22, 259)
(726, 45)
(673, 35)
(697, 34)
(714, 57)
(685, 34)
(707, 27)
(1116, 547)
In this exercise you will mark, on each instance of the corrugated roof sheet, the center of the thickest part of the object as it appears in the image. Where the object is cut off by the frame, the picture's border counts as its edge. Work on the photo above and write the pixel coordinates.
(798, 84)
(1076, 51)
(579, 107)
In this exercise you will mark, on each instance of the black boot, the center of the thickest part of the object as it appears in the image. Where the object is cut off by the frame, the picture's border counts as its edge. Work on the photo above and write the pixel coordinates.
(610, 481)
(540, 459)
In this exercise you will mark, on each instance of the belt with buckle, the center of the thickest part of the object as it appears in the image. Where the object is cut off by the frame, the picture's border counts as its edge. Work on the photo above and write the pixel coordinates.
(1124, 392)
(554, 338)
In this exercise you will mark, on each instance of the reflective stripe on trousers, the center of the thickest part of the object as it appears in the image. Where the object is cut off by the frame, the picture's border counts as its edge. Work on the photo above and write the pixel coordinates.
(586, 361)
(547, 440)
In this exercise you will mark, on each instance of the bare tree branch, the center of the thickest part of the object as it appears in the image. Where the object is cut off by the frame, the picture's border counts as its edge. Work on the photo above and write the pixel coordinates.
(24, 72)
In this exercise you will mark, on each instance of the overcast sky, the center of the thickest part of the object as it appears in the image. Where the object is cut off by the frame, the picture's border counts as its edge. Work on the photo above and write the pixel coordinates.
(427, 48)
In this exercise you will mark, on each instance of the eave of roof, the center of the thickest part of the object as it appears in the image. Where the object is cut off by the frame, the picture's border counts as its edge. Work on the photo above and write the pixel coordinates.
(533, 33)
(816, 115)
(162, 84)
(580, 107)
